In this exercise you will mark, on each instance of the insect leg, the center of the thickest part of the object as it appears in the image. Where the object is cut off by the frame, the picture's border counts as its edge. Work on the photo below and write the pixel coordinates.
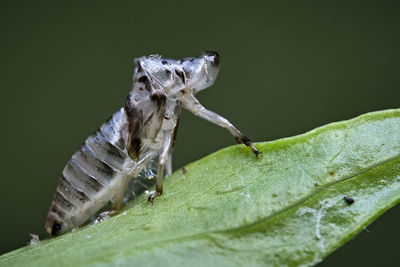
(161, 165)
(168, 166)
(117, 203)
(119, 196)
(190, 103)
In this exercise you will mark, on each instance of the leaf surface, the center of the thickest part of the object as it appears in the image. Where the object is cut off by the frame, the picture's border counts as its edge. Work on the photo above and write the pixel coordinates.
(285, 208)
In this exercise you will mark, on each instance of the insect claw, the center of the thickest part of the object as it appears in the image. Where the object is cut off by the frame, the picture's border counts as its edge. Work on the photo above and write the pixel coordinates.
(252, 147)
(106, 215)
(152, 196)
(255, 150)
(245, 140)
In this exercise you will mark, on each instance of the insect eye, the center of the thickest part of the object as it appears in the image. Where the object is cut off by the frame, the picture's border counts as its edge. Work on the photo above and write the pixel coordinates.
(56, 228)
(214, 57)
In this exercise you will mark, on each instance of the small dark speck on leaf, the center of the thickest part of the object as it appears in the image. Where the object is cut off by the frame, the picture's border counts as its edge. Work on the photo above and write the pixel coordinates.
(184, 170)
(332, 173)
(316, 185)
(349, 200)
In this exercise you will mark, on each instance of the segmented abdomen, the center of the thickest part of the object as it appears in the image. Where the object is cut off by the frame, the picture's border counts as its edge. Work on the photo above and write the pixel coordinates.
(93, 175)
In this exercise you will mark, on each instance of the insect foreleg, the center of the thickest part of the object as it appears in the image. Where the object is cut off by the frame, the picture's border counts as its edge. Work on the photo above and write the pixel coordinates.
(161, 165)
(190, 103)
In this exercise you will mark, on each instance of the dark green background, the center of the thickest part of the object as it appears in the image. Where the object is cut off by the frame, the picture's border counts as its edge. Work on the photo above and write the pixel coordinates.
(287, 67)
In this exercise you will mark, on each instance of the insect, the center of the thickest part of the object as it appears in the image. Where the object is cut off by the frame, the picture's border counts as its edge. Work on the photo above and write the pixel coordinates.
(141, 131)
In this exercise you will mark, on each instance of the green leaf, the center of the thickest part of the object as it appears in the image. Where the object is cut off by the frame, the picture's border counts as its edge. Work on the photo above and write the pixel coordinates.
(286, 207)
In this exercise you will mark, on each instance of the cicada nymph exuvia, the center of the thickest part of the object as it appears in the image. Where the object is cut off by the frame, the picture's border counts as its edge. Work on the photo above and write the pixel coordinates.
(137, 136)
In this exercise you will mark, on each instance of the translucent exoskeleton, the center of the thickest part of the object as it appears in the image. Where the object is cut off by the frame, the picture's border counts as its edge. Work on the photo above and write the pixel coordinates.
(139, 133)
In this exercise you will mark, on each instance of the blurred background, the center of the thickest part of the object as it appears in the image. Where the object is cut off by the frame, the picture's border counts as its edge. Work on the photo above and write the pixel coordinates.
(287, 67)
